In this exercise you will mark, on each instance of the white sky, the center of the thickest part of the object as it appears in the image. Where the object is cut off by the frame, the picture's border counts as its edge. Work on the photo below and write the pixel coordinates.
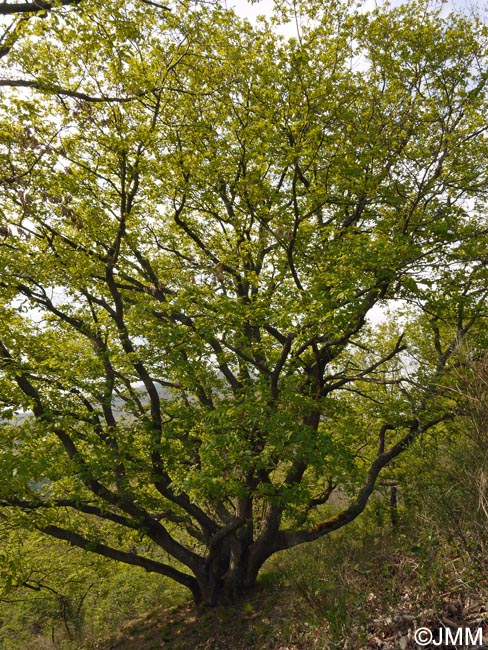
(252, 11)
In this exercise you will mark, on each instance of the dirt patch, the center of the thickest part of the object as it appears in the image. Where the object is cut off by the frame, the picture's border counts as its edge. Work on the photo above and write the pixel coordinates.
(267, 622)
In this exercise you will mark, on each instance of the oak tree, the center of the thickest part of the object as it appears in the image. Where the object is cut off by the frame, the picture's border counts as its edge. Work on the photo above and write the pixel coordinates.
(235, 270)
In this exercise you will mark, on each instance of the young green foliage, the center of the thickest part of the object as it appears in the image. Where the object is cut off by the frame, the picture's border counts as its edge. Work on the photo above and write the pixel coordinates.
(197, 219)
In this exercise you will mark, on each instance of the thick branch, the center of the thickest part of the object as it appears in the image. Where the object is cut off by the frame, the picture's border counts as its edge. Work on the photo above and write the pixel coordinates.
(55, 89)
(122, 556)
(33, 7)
(153, 528)
(292, 538)
(38, 6)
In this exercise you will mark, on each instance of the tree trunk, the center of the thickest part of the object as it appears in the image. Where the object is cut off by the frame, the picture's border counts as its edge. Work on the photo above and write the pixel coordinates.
(228, 573)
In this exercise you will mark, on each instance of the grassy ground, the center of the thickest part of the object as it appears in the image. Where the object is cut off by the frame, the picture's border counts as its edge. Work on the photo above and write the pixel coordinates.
(339, 594)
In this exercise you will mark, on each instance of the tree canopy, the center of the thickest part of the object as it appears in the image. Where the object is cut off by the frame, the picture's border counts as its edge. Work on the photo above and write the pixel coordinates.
(198, 218)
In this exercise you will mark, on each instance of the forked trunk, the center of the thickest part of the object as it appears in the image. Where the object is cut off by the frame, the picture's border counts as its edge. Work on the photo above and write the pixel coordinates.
(230, 571)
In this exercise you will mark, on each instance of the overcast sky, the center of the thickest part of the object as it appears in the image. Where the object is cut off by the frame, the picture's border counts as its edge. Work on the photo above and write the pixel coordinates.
(251, 11)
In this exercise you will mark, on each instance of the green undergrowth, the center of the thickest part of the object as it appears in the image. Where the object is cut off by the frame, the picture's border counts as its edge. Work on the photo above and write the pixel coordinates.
(63, 599)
